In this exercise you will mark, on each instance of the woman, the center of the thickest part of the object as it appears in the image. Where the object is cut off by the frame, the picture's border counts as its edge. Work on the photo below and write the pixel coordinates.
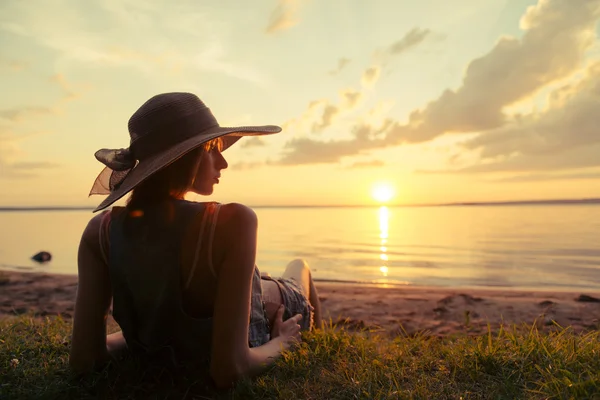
(181, 275)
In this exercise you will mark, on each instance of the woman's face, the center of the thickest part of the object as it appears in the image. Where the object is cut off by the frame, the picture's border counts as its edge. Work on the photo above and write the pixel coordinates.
(209, 171)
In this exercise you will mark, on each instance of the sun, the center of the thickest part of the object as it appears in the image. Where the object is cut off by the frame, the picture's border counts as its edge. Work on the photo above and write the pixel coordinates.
(383, 192)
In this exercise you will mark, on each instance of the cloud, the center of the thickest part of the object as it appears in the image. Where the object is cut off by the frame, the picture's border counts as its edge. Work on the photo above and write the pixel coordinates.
(329, 113)
(249, 165)
(411, 39)
(574, 158)
(370, 76)
(12, 165)
(305, 122)
(23, 113)
(13, 65)
(571, 120)
(565, 135)
(557, 36)
(342, 63)
(252, 142)
(28, 112)
(367, 164)
(24, 170)
(68, 89)
(550, 177)
(284, 16)
(308, 151)
(350, 99)
(322, 113)
(152, 38)
(14, 129)
(33, 165)
(213, 58)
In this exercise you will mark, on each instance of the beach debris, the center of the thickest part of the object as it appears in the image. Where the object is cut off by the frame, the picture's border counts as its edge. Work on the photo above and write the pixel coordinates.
(470, 299)
(546, 303)
(42, 257)
(14, 363)
(584, 298)
(439, 311)
(467, 298)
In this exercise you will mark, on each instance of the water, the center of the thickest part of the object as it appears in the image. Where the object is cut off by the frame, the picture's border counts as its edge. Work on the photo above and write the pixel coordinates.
(550, 247)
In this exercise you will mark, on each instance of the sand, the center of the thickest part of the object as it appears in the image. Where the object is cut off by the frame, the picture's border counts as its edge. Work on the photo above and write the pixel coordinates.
(391, 310)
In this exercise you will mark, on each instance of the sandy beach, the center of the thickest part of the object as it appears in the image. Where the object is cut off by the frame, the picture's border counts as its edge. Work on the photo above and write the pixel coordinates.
(391, 310)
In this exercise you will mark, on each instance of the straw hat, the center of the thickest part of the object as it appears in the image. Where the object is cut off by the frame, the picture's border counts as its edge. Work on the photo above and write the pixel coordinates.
(162, 130)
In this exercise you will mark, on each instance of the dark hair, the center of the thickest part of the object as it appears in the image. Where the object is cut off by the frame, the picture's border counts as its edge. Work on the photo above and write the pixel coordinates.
(173, 181)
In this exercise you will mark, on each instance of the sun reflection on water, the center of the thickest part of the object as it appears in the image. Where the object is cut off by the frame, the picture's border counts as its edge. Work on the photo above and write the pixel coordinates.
(384, 217)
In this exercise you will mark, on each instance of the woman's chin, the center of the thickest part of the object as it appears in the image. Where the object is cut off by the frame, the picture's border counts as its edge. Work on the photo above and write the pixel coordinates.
(203, 191)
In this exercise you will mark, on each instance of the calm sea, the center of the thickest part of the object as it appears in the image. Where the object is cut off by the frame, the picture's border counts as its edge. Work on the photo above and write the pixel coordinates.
(554, 247)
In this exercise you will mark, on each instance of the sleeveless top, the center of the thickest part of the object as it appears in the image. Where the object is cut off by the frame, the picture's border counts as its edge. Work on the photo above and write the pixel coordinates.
(144, 261)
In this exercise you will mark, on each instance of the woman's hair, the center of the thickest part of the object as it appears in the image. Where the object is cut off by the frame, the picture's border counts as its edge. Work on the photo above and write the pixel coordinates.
(173, 181)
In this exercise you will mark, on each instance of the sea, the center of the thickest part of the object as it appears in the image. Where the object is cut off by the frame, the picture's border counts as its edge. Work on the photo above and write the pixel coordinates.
(526, 247)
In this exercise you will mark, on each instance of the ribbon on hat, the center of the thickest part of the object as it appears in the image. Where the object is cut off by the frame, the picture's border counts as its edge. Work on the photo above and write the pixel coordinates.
(119, 163)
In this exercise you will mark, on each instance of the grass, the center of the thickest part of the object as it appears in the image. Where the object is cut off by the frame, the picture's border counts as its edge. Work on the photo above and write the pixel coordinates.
(330, 364)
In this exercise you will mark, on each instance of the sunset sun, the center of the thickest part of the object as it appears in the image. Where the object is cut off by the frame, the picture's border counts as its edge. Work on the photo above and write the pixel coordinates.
(383, 192)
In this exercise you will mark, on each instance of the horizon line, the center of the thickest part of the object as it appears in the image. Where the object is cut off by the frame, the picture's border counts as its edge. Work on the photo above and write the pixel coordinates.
(592, 200)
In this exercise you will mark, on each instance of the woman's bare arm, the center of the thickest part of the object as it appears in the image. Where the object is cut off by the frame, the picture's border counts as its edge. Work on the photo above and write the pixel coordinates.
(232, 358)
(94, 295)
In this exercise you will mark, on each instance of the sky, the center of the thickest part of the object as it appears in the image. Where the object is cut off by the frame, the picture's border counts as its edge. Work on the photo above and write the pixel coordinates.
(440, 101)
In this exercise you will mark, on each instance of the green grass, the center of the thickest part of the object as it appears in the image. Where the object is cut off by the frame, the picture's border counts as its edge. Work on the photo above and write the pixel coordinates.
(331, 364)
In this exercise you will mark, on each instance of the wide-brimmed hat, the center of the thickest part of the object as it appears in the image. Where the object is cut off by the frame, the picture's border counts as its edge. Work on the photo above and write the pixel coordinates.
(162, 130)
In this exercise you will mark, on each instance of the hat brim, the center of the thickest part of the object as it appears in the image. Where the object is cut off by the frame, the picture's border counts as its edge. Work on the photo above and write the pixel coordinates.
(146, 168)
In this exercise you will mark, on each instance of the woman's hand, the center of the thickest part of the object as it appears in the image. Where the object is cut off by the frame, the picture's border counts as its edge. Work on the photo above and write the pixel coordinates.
(288, 331)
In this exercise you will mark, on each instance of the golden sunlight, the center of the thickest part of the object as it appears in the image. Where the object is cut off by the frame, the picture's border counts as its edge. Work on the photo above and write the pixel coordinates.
(384, 217)
(383, 192)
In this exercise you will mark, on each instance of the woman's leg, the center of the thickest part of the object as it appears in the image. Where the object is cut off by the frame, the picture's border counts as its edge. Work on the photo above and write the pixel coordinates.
(300, 271)
(116, 344)
(272, 299)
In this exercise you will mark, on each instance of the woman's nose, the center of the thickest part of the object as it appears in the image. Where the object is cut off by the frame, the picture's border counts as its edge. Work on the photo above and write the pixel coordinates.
(222, 161)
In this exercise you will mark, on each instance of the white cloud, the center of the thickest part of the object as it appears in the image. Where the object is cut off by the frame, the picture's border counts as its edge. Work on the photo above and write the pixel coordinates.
(559, 34)
(370, 76)
(342, 63)
(147, 36)
(284, 16)
(13, 163)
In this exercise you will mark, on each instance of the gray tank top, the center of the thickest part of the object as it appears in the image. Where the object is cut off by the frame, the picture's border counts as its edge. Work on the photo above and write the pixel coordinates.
(145, 272)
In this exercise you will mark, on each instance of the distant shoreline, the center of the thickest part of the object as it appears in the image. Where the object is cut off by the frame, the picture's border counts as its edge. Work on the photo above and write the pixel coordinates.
(590, 201)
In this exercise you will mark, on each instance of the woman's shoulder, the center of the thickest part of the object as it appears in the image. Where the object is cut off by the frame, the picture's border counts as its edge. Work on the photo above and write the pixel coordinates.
(234, 221)
(228, 212)
(91, 233)
(230, 217)
(95, 222)
(238, 210)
